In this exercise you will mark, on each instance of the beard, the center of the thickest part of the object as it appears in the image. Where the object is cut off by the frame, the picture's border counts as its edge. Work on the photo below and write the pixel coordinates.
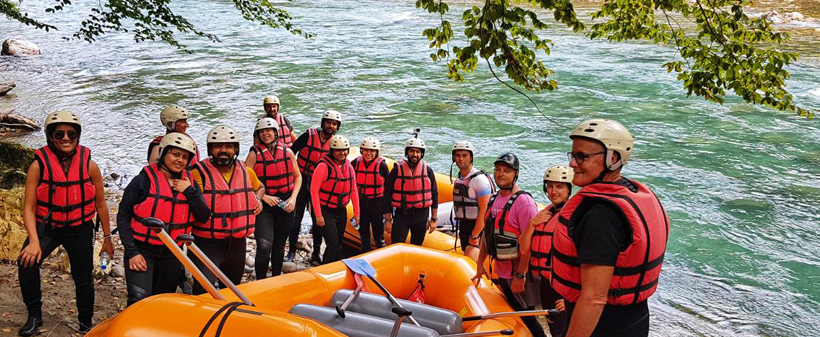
(223, 159)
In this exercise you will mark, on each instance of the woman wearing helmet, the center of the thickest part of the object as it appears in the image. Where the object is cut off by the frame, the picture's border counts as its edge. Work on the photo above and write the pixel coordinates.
(610, 265)
(557, 187)
(175, 119)
(275, 165)
(162, 190)
(332, 187)
(371, 172)
(63, 196)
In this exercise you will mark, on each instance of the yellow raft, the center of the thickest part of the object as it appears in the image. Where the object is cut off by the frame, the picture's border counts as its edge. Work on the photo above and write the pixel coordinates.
(448, 286)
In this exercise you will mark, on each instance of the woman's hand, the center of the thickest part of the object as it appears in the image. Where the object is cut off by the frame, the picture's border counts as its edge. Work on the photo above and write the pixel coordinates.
(31, 255)
(290, 204)
(320, 221)
(108, 247)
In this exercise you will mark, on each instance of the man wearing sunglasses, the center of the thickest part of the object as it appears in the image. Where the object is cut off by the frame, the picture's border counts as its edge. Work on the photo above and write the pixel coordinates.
(609, 245)
(175, 119)
(64, 195)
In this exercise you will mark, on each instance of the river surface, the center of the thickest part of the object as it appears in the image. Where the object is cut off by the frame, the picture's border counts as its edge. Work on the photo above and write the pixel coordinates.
(740, 182)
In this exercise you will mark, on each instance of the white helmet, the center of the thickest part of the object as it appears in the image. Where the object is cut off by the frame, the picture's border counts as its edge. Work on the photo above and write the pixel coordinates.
(332, 115)
(466, 146)
(178, 140)
(172, 113)
(223, 134)
(414, 142)
(370, 143)
(559, 173)
(62, 116)
(613, 135)
(266, 123)
(339, 142)
(272, 99)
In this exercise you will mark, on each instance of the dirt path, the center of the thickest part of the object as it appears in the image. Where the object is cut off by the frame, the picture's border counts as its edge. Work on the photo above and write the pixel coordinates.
(59, 304)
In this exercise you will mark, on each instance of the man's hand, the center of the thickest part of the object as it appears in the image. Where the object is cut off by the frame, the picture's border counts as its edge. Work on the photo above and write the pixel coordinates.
(320, 221)
(108, 247)
(30, 255)
(431, 226)
(479, 272)
(518, 284)
(258, 208)
(137, 263)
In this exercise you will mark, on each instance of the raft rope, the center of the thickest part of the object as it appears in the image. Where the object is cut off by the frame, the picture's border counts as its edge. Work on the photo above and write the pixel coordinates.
(230, 307)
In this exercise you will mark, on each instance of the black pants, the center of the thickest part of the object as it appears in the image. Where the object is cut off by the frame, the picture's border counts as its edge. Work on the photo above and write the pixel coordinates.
(162, 275)
(413, 221)
(531, 322)
(303, 202)
(273, 227)
(78, 243)
(558, 327)
(371, 218)
(227, 254)
(333, 232)
(465, 229)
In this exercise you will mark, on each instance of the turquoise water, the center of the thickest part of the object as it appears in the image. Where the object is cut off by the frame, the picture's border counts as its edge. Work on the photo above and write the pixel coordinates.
(738, 181)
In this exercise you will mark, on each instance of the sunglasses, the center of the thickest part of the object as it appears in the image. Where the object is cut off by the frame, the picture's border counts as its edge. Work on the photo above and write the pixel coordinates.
(580, 157)
(60, 134)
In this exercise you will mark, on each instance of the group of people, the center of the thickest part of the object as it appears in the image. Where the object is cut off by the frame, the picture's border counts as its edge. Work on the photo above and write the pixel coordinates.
(595, 256)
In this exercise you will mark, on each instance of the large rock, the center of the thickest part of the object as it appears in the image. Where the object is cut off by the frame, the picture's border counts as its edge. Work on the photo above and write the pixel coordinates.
(19, 48)
(288, 267)
(12, 233)
(11, 120)
(14, 161)
(6, 87)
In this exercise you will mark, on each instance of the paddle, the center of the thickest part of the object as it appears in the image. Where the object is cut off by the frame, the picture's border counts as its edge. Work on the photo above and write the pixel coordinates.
(362, 267)
(188, 239)
(158, 226)
(511, 314)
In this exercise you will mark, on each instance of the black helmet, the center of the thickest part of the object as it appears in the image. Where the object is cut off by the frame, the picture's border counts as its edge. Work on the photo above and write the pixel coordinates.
(509, 159)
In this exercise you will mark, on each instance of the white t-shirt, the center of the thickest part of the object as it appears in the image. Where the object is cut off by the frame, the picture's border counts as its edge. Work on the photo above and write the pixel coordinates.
(478, 187)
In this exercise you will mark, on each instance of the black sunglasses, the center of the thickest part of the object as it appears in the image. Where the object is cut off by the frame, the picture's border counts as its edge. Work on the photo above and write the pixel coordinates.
(60, 134)
(580, 157)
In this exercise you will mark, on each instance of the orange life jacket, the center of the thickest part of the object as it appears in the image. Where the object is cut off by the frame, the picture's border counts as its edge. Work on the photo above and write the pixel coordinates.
(285, 129)
(335, 191)
(638, 267)
(542, 245)
(163, 203)
(368, 178)
(412, 188)
(231, 203)
(158, 140)
(275, 169)
(502, 240)
(314, 150)
(65, 200)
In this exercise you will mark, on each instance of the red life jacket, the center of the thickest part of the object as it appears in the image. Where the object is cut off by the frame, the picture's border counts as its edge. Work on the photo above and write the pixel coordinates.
(163, 203)
(368, 178)
(412, 189)
(638, 267)
(310, 154)
(285, 129)
(542, 245)
(275, 170)
(231, 203)
(502, 240)
(335, 191)
(158, 140)
(65, 201)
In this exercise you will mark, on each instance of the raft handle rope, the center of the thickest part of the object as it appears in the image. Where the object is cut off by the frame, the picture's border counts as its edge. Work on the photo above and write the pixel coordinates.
(230, 308)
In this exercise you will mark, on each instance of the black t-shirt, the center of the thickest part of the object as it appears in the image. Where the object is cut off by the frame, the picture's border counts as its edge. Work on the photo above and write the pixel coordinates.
(601, 232)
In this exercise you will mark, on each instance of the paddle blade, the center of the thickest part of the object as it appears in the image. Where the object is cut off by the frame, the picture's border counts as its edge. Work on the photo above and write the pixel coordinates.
(360, 266)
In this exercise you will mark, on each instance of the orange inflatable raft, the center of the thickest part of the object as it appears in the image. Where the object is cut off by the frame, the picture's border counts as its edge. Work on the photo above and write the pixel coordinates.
(448, 288)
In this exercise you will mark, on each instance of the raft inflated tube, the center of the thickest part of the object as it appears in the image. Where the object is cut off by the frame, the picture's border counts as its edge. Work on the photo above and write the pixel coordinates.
(359, 325)
(443, 321)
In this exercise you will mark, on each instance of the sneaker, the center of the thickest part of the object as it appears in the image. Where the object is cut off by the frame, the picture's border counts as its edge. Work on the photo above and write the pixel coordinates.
(290, 256)
(32, 326)
(84, 328)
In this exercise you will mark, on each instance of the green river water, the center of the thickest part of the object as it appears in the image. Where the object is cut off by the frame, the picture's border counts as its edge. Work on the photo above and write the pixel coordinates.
(740, 182)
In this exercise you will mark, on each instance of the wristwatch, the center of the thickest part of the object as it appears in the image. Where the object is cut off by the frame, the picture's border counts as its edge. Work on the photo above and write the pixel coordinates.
(520, 276)
(475, 237)
(434, 218)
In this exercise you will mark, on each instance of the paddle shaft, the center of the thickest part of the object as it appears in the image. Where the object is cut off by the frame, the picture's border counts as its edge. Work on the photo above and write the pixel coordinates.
(511, 314)
(172, 246)
(219, 274)
(391, 298)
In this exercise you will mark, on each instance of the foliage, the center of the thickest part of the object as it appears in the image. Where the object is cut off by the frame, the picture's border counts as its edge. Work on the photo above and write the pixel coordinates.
(152, 20)
(727, 50)
(14, 162)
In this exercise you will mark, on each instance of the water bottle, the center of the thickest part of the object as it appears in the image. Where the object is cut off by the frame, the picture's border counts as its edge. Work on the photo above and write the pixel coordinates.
(104, 261)
(282, 204)
(354, 223)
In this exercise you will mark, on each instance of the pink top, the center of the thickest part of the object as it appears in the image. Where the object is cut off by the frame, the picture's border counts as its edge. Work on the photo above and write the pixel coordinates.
(518, 217)
(319, 176)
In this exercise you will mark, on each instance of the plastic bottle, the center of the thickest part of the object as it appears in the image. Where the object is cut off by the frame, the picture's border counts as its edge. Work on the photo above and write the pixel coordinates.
(282, 204)
(104, 259)
(354, 223)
